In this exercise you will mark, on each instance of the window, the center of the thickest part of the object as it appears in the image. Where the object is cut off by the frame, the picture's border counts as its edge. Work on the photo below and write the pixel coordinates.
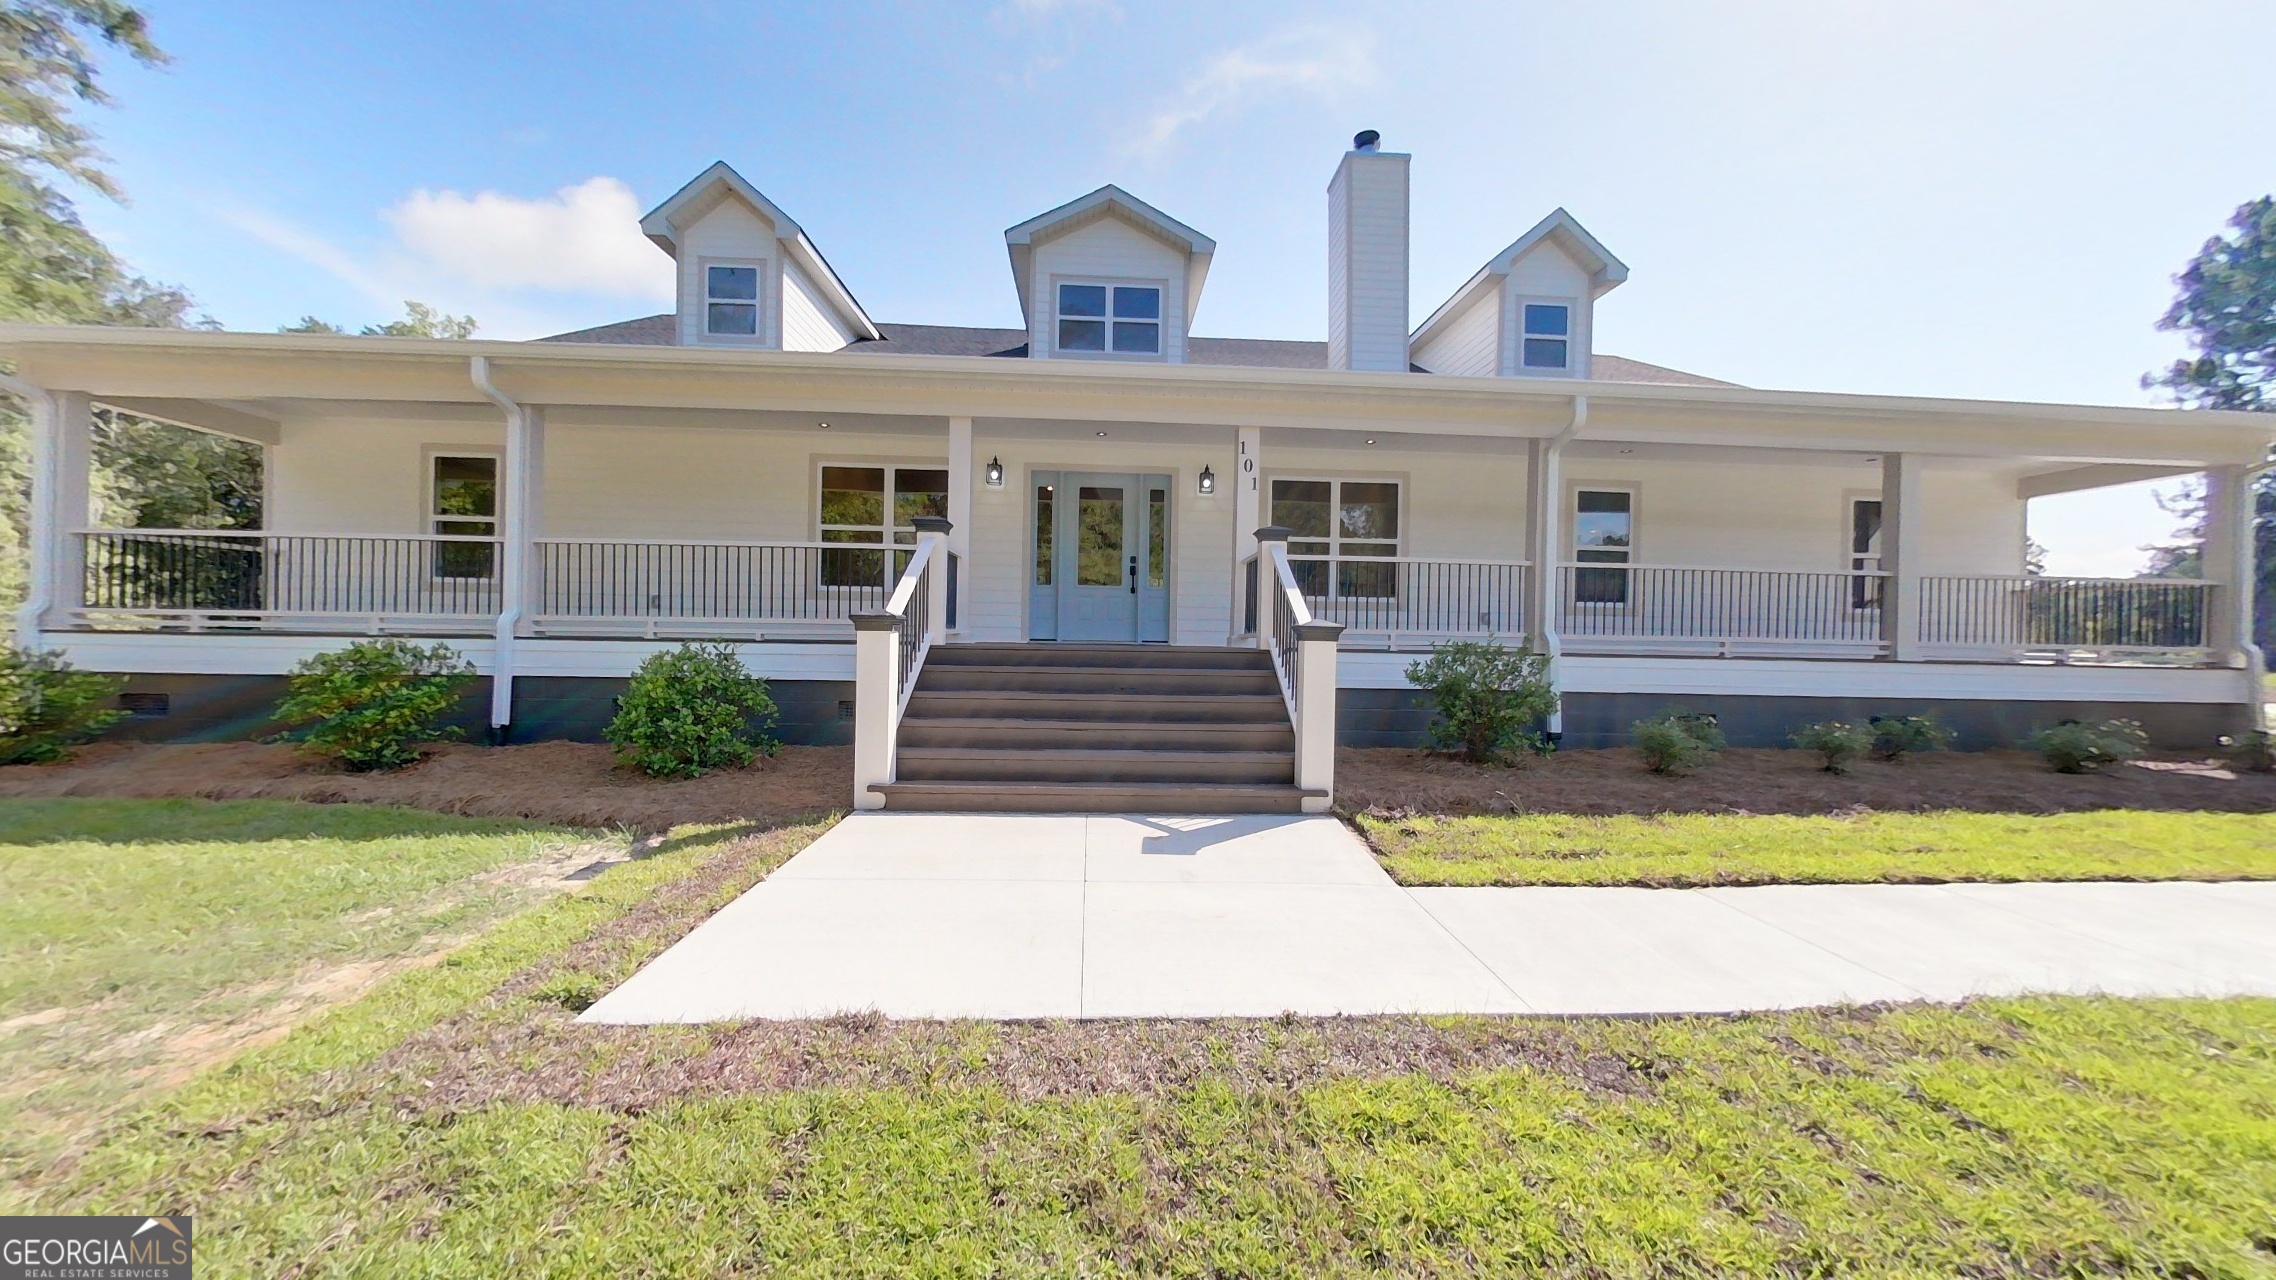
(1347, 521)
(855, 507)
(463, 502)
(1604, 529)
(1548, 335)
(1865, 553)
(1157, 536)
(731, 301)
(1124, 318)
(1043, 549)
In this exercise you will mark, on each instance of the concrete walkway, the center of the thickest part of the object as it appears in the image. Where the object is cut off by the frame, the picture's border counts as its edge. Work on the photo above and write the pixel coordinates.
(1017, 916)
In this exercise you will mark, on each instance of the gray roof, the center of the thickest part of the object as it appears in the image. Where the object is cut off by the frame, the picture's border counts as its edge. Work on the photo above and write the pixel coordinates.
(957, 340)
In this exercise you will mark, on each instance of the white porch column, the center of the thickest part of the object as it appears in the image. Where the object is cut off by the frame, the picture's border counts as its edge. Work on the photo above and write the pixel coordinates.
(961, 478)
(1901, 516)
(1546, 542)
(520, 511)
(2229, 560)
(1248, 514)
(877, 664)
(62, 430)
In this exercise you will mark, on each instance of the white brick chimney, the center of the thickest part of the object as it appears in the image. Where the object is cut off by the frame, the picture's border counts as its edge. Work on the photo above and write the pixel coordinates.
(1367, 259)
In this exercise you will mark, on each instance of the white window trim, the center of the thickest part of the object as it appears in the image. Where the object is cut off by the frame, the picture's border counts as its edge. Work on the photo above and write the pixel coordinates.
(1570, 556)
(889, 466)
(1572, 338)
(762, 302)
(434, 453)
(1110, 284)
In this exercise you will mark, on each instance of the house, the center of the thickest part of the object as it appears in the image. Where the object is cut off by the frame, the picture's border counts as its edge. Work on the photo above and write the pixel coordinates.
(1232, 547)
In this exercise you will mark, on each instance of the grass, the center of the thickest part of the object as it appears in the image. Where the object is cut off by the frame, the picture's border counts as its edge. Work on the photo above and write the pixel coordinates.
(1731, 849)
(139, 938)
(457, 1122)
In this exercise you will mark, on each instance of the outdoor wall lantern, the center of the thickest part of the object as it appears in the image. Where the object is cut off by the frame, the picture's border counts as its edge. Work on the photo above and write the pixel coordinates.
(1207, 482)
(995, 473)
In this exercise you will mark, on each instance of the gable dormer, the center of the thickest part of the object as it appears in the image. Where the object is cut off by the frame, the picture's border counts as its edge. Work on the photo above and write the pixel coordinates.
(748, 276)
(1530, 312)
(1108, 277)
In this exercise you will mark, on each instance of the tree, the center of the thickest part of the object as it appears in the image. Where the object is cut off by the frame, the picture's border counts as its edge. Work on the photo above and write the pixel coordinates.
(53, 270)
(419, 321)
(2227, 306)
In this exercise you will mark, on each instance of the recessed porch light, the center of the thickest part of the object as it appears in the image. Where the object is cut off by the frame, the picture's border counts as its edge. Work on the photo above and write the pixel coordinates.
(1370, 439)
(1102, 435)
(824, 425)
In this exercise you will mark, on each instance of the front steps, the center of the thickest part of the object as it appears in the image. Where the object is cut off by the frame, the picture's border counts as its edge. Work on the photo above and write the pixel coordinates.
(1071, 728)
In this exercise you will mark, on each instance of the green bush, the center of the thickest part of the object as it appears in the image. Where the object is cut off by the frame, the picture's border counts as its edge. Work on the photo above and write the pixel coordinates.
(2253, 751)
(1677, 742)
(1488, 696)
(2073, 747)
(369, 705)
(691, 709)
(47, 707)
(1838, 743)
(1895, 737)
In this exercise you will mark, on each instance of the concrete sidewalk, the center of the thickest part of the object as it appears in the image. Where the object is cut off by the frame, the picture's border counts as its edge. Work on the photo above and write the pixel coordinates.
(1036, 916)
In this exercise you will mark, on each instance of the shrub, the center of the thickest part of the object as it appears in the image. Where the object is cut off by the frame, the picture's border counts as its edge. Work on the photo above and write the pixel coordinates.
(2072, 747)
(1838, 743)
(47, 707)
(1487, 696)
(369, 705)
(1895, 737)
(1677, 742)
(2253, 751)
(690, 709)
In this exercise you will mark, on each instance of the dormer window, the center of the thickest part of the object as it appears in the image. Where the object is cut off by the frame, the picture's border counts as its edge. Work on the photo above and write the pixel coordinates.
(731, 301)
(1548, 335)
(1125, 319)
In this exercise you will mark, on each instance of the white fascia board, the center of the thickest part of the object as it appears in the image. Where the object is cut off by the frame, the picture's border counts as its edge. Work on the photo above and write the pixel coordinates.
(661, 224)
(1020, 240)
(2074, 479)
(255, 368)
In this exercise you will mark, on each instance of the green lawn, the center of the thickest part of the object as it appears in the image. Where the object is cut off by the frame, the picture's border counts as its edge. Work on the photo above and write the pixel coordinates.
(457, 1122)
(139, 937)
(1713, 849)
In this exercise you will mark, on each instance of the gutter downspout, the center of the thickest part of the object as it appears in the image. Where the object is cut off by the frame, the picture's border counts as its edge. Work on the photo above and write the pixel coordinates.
(1552, 500)
(510, 580)
(38, 594)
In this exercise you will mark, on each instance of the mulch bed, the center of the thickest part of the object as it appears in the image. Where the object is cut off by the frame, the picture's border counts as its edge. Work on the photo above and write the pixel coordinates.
(572, 783)
(579, 784)
(1765, 781)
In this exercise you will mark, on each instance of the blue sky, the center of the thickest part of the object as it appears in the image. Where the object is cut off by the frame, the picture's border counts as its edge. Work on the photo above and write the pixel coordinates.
(1925, 198)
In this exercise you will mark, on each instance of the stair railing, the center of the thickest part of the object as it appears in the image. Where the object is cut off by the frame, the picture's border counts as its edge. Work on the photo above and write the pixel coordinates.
(1304, 658)
(889, 653)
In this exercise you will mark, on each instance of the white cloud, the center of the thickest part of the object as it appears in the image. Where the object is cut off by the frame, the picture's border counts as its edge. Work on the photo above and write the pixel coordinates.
(1313, 60)
(581, 239)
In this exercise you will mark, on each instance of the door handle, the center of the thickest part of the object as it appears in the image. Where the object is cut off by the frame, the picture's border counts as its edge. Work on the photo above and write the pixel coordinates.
(1134, 575)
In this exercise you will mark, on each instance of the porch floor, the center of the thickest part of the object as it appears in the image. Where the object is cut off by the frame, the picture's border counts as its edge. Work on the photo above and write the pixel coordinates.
(1038, 916)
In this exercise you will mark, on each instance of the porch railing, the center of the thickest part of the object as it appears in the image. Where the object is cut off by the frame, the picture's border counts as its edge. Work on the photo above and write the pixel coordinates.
(1303, 650)
(1409, 599)
(193, 578)
(1643, 606)
(890, 646)
(2022, 615)
(650, 585)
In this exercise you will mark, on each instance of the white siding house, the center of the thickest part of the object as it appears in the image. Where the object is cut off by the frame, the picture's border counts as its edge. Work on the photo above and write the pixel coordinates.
(765, 464)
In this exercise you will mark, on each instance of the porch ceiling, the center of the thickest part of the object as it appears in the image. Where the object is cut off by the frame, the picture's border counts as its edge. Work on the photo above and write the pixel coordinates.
(274, 369)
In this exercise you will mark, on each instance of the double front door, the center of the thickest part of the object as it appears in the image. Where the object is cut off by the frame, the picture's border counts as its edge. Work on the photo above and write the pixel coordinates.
(1099, 549)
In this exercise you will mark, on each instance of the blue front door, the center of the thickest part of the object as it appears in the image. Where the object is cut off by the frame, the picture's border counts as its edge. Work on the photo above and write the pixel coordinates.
(1102, 542)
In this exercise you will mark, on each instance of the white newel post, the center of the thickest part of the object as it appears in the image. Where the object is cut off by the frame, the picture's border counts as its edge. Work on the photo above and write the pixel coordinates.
(935, 532)
(1901, 515)
(960, 481)
(1316, 647)
(1269, 603)
(877, 660)
(1545, 543)
(1248, 512)
(2228, 563)
(62, 426)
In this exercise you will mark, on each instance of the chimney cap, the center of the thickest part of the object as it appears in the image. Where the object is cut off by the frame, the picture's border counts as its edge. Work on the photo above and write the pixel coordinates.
(1365, 140)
